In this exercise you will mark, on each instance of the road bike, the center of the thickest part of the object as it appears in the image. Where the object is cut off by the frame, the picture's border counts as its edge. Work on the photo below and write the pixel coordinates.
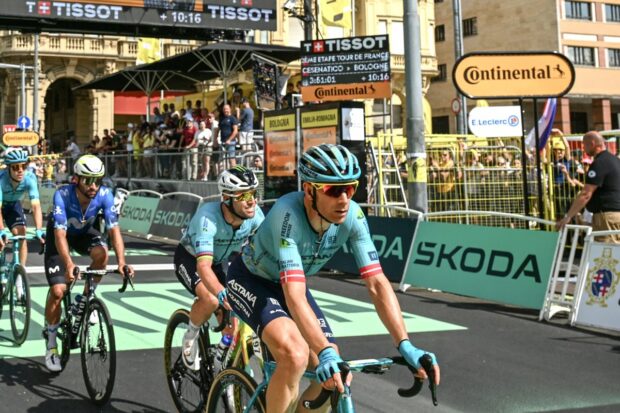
(189, 389)
(16, 291)
(87, 325)
(234, 390)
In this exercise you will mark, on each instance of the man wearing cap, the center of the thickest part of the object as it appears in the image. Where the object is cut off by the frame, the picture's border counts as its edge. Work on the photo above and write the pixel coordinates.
(601, 193)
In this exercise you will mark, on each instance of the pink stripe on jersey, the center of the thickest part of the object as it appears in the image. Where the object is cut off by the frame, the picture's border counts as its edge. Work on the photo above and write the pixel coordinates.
(292, 276)
(371, 270)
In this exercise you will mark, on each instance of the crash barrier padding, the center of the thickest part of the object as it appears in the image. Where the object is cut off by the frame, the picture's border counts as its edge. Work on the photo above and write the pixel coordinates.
(598, 293)
(510, 266)
(392, 238)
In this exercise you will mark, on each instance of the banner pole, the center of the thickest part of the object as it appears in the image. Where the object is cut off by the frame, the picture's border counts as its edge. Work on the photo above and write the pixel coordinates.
(538, 165)
(526, 202)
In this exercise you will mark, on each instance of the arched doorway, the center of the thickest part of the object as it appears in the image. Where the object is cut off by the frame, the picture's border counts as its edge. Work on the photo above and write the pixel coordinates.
(62, 111)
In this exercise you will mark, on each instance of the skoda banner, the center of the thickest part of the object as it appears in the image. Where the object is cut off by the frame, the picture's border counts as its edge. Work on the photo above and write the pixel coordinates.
(137, 214)
(392, 238)
(495, 121)
(172, 216)
(510, 266)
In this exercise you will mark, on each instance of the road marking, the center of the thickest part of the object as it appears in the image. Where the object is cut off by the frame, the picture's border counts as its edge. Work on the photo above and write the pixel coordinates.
(39, 269)
(140, 317)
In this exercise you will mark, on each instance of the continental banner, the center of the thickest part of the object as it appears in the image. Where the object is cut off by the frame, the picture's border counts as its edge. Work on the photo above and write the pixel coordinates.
(599, 301)
(392, 238)
(137, 214)
(511, 266)
(171, 216)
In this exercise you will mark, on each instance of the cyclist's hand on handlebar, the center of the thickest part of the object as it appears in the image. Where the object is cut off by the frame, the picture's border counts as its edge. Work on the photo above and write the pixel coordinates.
(328, 367)
(413, 354)
(126, 269)
(40, 234)
(223, 300)
(69, 273)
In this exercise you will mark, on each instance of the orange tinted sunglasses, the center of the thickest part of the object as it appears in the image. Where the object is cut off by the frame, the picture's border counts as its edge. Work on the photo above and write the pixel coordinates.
(337, 189)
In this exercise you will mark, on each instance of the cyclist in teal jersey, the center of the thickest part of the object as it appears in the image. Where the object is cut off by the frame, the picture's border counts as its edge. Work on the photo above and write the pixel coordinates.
(16, 180)
(73, 224)
(217, 230)
(266, 285)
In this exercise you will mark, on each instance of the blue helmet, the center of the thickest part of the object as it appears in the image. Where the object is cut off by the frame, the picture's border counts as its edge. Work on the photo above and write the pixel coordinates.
(15, 155)
(328, 163)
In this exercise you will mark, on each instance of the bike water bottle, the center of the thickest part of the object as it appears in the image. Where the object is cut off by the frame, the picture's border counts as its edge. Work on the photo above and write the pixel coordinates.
(222, 346)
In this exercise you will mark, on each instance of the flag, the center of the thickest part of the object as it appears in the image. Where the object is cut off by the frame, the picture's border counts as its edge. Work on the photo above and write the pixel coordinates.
(148, 50)
(545, 124)
(336, 13)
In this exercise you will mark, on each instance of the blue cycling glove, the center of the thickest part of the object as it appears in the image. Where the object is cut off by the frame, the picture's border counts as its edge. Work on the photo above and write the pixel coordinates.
(39, 233)
(413, 354)
(221, 296)
(328, 364)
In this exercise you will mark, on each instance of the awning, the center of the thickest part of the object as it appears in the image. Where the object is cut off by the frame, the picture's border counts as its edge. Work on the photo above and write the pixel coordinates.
(134, 103)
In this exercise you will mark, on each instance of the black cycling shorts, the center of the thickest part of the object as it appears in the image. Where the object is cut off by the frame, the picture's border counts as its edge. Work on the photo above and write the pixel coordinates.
(185, 269)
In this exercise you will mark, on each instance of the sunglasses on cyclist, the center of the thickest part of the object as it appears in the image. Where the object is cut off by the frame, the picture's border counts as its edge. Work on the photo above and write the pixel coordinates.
(88, 181)
(335, 190)
(18, 167)
(245, 196)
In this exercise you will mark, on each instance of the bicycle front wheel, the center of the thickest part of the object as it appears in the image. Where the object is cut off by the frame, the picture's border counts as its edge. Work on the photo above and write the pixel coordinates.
(98, 351)
(232, 391)
(19, 308)
(188, 388)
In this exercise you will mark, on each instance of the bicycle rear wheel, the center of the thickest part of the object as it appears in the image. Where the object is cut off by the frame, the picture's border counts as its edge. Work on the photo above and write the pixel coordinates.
(98, 351)
(19, 308)
(231, 391)
(188, 388)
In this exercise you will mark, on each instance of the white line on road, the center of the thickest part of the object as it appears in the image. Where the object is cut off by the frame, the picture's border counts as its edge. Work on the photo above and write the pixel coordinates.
(38, 269)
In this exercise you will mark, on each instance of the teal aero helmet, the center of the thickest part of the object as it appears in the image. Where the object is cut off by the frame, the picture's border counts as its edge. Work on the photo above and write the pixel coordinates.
(15, 155)
(327, 163)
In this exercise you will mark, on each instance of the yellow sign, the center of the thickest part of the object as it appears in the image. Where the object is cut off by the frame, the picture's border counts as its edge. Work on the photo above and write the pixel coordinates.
(282, 122)
(513, 75)
(319, 118)
(20, 138)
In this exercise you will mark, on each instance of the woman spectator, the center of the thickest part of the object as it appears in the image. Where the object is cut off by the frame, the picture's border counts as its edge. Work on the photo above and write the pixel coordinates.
(148, 144)
(204, 137)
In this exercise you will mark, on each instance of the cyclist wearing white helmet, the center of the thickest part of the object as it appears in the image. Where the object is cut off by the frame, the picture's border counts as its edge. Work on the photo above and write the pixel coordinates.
(73, 224)
(217, 230)
(301, 233)
(15, 180)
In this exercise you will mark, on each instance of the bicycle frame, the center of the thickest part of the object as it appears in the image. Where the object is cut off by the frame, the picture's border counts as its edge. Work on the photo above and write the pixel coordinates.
(239, 347)
(10, 271)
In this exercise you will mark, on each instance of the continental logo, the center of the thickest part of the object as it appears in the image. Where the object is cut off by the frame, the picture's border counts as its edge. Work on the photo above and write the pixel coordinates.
(370, 90)
(340, 91)
(513, 75)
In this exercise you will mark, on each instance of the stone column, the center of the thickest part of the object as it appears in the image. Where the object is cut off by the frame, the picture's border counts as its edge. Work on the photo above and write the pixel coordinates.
(562, 116)
(601, 114)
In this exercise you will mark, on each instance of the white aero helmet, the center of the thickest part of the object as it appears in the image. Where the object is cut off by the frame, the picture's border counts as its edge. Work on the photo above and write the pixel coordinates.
(90, 166)
(237, 179)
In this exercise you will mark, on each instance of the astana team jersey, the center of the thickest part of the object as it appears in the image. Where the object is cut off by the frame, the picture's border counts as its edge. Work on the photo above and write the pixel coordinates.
(10, 194)
(208, 233)
(286, 248)
(68, 213)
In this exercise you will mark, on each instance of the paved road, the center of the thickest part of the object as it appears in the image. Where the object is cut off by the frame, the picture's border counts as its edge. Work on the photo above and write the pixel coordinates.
(494, 358)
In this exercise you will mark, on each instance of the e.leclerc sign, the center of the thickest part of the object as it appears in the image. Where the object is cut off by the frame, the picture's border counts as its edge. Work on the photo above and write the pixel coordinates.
(495, 121)
(503, 75)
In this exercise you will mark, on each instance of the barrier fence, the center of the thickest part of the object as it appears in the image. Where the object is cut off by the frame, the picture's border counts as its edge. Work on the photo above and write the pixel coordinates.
(537, 269)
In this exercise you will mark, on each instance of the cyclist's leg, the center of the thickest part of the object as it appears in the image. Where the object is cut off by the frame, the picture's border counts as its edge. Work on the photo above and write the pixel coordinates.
(55, 274)
(257, 303)
(92, 244)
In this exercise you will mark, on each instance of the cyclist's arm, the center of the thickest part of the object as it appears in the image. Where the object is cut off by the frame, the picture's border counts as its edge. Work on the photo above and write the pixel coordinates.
(304, 317)
(62, 246)
(37, 214)
(118, 245)
(207, 276)
(387, 306)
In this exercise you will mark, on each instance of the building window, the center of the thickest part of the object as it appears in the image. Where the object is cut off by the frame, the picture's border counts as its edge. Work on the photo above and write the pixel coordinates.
(440, 33)
(613, 57)
(583, 56)
(470, 27)
(612, 13)
(579, 122)
(581, 10)
(438, 1)
(441, 124)
(443, 74)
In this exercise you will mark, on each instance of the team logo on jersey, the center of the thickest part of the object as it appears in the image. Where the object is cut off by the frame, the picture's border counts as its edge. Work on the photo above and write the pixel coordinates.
(57, 210)
(591, 173)
(360, 214)
(284, 243)
(373, 256)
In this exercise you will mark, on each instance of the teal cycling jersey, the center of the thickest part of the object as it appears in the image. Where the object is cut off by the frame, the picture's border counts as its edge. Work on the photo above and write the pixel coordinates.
(208, 233)
(68, 215)
(286, 248)
(10, 194)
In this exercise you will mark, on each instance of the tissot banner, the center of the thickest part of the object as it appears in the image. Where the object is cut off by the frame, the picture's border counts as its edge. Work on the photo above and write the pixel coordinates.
(511, 266)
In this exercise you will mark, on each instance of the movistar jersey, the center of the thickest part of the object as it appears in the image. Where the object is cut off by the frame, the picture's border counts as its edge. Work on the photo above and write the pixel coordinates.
(11, 194)
(286, 248)
(208, 233)
(68, 213)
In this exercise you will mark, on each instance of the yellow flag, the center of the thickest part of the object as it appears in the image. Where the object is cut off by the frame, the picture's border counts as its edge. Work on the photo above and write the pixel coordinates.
(148, 50)
(336, 13)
